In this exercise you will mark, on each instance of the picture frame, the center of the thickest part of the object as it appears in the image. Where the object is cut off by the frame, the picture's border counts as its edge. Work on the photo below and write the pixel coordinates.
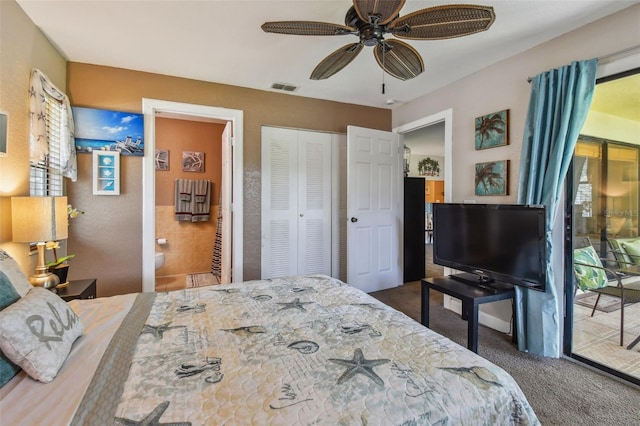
(193, 161)
(492, 130)
(4, 133)
(106, 173)
(162, 159)
(492, 178)
(106, 130)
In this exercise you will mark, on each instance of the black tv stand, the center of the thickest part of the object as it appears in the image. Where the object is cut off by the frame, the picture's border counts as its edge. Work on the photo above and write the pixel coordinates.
(483, 282)
(471, 296)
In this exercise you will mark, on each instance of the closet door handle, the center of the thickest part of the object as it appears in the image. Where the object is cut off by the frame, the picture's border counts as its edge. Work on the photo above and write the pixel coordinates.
(354, 219)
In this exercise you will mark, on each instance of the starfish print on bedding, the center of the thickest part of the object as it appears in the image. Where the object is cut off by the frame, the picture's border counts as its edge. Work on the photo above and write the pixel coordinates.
(358, 364)
(297, 304)
(152, 418)
(158, 331)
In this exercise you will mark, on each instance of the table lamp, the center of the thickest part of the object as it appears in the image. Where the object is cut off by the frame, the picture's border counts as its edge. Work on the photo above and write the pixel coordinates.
(40, 219)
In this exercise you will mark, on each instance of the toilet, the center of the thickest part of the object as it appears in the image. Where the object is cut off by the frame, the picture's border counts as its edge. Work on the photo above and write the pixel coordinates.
(159, 260)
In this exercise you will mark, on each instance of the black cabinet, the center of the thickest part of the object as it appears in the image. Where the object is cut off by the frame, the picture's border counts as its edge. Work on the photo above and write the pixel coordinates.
(414, 229)
(78, 289)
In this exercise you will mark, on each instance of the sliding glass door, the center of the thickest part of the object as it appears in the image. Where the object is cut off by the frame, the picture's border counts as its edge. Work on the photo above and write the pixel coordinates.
(602, 205)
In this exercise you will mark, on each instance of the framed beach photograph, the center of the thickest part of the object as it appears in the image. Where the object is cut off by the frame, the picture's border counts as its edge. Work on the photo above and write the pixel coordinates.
(4, 134)
(192, 161)
(105, 130)
(162, 159)
(106, 173)
(492, 178)
(492, 130)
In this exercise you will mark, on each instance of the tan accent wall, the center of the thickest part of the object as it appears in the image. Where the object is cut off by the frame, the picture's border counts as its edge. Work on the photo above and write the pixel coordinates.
(111, 231)
(22, 47)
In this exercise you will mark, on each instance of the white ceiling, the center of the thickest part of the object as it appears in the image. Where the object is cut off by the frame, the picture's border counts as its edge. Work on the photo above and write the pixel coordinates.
(221, 41)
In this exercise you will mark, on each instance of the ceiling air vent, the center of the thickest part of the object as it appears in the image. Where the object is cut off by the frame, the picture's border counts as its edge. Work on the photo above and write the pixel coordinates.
(284, 86)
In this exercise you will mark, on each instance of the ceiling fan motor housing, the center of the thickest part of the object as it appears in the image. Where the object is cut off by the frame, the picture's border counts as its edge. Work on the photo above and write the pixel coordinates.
(370, 33)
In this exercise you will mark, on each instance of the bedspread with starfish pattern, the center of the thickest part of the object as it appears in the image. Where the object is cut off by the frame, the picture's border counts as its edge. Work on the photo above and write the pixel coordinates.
(304, 350)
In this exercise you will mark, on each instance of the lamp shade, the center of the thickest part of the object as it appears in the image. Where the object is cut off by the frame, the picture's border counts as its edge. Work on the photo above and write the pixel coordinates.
(36, 219)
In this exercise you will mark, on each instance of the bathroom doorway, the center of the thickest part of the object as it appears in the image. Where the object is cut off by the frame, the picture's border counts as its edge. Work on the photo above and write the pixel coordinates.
(188, 155)
(231, 182)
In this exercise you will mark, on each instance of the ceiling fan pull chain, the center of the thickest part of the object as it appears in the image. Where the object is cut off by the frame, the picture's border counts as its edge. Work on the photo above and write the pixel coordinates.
(384, 53)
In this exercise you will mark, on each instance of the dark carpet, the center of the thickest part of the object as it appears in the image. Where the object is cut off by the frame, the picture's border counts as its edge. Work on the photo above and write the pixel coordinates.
(561, 391)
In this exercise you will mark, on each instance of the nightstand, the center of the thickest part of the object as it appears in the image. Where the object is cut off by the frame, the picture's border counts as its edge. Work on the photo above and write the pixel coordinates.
(78, 289)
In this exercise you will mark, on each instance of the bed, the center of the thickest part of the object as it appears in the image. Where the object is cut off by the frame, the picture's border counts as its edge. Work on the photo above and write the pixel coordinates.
(297, 350)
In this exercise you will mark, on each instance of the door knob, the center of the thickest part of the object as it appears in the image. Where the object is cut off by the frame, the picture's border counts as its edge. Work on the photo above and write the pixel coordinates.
(354, 219)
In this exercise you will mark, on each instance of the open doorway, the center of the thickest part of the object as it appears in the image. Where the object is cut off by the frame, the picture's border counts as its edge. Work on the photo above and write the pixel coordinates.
(430, 137)
(424, 152)
(231, 156)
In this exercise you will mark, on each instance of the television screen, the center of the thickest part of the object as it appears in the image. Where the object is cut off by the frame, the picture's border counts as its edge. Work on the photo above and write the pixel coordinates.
(502, 242)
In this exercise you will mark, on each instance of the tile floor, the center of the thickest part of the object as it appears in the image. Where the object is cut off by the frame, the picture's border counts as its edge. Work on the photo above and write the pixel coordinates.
(598, 337)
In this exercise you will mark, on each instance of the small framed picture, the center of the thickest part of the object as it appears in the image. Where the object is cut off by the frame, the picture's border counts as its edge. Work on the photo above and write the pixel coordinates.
(492, 130)
(492, 178)
(106, 173)
(162, 159)
(4, 134)
(192, 161)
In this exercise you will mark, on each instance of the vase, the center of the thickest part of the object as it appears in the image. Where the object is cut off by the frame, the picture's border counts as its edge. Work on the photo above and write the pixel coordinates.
(61, 271)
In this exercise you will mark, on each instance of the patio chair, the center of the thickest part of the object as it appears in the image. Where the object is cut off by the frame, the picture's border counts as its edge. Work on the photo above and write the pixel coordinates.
(591, 275)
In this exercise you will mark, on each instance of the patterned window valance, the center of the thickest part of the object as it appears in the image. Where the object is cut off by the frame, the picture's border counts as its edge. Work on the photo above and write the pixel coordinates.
(40, 87)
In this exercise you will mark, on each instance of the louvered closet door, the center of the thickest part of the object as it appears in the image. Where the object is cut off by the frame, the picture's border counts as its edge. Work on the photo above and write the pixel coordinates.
(296, 202)
(314, 203)
(279, 202)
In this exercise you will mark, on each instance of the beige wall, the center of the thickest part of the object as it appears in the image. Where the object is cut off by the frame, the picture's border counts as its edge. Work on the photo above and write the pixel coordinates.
(504, 86)
(110, 233)
(22, 47)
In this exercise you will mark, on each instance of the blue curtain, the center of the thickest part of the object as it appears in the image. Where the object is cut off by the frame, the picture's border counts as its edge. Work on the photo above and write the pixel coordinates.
(560, 101)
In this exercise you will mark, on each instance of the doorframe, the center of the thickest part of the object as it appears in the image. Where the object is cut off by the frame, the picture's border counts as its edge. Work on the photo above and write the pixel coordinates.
(149, 109)
(445, 116)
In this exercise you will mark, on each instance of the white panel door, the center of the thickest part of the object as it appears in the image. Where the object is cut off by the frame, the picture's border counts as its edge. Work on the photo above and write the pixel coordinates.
(374, 211)
(296, 202)
(279, 202)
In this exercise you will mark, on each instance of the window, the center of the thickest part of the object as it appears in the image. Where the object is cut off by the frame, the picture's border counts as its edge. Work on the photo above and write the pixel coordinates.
(52, 144)
(46, 175)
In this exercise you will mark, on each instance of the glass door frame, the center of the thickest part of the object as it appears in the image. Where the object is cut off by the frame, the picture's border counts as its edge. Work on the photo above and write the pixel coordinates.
(568, 260)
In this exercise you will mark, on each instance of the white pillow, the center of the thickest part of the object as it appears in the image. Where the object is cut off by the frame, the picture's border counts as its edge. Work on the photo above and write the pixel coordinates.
(37, 333)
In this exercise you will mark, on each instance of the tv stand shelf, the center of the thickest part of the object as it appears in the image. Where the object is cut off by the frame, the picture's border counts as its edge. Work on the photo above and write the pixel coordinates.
(472, 296)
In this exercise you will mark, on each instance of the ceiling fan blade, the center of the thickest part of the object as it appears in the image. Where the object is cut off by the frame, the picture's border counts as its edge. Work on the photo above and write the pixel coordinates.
(311, 28)
(336, 61)
(399, 59)
(436, 23)
(386, 10)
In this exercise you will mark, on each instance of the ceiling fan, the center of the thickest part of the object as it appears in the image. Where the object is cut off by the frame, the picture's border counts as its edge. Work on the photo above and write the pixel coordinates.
(370, 20)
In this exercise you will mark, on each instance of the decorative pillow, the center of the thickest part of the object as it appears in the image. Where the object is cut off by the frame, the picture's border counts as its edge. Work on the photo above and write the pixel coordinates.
(632, 248)
(589, 278)
(12, 270)
(8, 295)
(37, 333)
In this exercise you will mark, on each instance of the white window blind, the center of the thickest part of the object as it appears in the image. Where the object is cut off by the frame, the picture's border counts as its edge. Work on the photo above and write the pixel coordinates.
(46, 176)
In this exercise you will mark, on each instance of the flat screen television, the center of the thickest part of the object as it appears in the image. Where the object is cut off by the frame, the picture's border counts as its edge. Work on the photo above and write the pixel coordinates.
(492, 244)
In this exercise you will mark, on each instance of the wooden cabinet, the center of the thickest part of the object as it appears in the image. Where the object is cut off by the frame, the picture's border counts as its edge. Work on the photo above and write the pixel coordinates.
(434, 191)
(413, 229)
